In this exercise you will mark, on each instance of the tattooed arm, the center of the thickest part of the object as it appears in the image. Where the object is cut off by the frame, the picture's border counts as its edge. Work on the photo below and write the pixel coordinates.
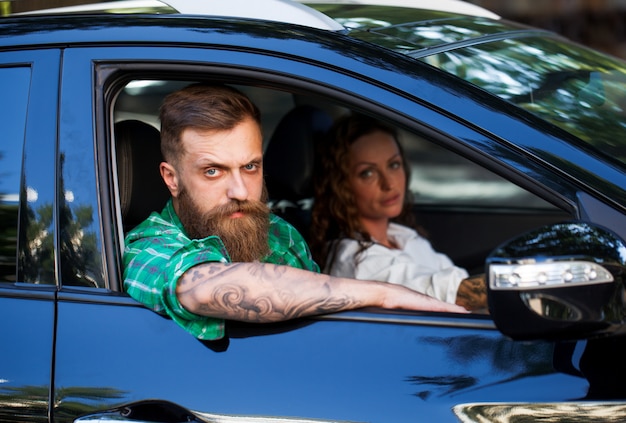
(261, 292)
(472, 293)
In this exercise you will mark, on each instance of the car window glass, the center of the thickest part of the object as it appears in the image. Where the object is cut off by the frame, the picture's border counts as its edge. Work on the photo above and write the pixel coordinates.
(579, 90)
(439, 176)
(14, 84)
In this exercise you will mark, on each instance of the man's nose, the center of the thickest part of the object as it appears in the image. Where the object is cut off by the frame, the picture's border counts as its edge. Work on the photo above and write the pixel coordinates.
(237, 189)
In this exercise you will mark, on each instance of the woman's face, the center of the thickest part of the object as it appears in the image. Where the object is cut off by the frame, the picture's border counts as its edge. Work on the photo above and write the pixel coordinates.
(377, 177)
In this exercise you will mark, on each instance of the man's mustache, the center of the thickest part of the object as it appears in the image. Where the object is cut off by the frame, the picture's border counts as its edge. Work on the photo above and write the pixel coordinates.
(239, 206)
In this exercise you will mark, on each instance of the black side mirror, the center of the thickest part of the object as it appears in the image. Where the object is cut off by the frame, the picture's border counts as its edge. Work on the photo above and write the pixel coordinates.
(563, 281)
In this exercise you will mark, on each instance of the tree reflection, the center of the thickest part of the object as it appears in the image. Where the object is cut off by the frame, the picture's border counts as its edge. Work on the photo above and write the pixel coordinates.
(24, 403)
(511, 360)
(566, 239)
(575, 88)
(36, 254)
(76, 401)
(606, 412)
(579, 90)
(30, 403)
(8, 242)
(81, 262)
(8, 233)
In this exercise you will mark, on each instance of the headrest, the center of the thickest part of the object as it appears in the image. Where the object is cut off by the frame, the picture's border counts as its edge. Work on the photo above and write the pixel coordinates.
(138, 152)
(289, 157)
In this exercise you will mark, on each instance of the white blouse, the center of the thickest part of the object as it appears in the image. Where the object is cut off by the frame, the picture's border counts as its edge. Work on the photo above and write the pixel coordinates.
(414, 264)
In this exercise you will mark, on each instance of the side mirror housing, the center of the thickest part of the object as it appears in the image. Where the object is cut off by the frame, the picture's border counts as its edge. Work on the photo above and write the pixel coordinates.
(563, 281)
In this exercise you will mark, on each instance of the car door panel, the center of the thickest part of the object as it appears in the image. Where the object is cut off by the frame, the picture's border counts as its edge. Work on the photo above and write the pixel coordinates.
(27, 339)
(27, 276)
(357, 366)
(351, 367)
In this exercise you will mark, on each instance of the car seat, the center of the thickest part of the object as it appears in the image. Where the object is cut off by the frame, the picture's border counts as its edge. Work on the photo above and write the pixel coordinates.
(138, 153)
(289, 161)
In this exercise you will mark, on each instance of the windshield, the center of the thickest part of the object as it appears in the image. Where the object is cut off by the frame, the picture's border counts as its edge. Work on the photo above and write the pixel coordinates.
(577, 89)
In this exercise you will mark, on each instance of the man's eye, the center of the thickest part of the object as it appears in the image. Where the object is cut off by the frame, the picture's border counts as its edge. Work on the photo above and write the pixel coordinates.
(211, 172)
(251, 166)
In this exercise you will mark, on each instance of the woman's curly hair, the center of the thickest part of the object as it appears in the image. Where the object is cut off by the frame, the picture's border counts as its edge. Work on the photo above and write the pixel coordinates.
(334, 214)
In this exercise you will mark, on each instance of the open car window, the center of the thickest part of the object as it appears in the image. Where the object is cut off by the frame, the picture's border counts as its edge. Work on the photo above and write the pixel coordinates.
(465, 208)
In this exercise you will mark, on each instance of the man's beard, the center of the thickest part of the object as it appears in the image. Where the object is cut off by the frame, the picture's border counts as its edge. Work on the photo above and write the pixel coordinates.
(245, 237)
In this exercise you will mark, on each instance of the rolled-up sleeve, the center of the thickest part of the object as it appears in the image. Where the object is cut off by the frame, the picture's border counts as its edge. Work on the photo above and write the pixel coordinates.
(192, 254)
(153, 265)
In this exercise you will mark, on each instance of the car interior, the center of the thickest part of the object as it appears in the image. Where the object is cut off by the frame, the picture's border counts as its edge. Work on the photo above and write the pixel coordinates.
(465, 209)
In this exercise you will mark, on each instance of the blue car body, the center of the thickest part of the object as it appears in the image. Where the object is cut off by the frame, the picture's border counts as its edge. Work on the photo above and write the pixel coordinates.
(75, 347)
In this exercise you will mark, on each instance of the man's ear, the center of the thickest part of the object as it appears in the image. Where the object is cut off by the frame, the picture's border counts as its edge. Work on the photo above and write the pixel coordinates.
(170, 177)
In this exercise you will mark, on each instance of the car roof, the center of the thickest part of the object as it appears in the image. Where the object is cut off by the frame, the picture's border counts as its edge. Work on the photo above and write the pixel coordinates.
(378, 22)
(452, 6)
(286, 11)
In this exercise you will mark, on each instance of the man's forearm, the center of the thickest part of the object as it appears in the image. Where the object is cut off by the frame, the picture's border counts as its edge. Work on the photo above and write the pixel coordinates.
(262, 292)
(259, 292)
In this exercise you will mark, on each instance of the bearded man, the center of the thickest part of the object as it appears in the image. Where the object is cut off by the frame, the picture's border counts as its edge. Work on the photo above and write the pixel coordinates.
(215, 252)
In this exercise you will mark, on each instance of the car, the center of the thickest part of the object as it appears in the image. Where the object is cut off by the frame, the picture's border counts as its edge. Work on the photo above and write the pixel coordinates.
(517, 146)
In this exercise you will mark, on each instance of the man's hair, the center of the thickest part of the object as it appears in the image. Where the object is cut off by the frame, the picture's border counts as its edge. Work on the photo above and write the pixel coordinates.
(204, 107)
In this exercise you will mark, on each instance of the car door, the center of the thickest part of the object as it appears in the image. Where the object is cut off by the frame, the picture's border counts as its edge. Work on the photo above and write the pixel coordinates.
(117, 360)
(27, 271)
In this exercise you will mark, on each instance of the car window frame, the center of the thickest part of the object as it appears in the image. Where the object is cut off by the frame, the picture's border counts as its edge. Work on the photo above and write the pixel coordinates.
(113, 70)
(16, 78)
(38, 167)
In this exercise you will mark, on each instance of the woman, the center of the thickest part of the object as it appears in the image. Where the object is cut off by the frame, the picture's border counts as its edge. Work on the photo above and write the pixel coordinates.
(362, 221)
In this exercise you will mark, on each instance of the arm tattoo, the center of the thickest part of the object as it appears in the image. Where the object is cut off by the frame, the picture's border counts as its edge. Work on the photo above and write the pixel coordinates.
(472, 293)
(254, 292)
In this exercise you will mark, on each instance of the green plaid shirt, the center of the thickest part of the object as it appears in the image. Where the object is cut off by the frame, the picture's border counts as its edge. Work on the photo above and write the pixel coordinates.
(158, 252)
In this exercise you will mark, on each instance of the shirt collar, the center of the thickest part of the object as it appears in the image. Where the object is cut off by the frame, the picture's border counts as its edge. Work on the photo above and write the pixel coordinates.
(169, 214)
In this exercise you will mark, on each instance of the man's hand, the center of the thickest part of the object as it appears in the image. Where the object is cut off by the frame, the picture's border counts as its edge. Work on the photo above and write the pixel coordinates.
(472, 293)
(399, 297)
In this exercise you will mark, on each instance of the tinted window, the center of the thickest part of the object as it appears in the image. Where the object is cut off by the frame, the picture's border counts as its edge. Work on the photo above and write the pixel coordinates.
(577, 89)
(14, 86)
(439, 176)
